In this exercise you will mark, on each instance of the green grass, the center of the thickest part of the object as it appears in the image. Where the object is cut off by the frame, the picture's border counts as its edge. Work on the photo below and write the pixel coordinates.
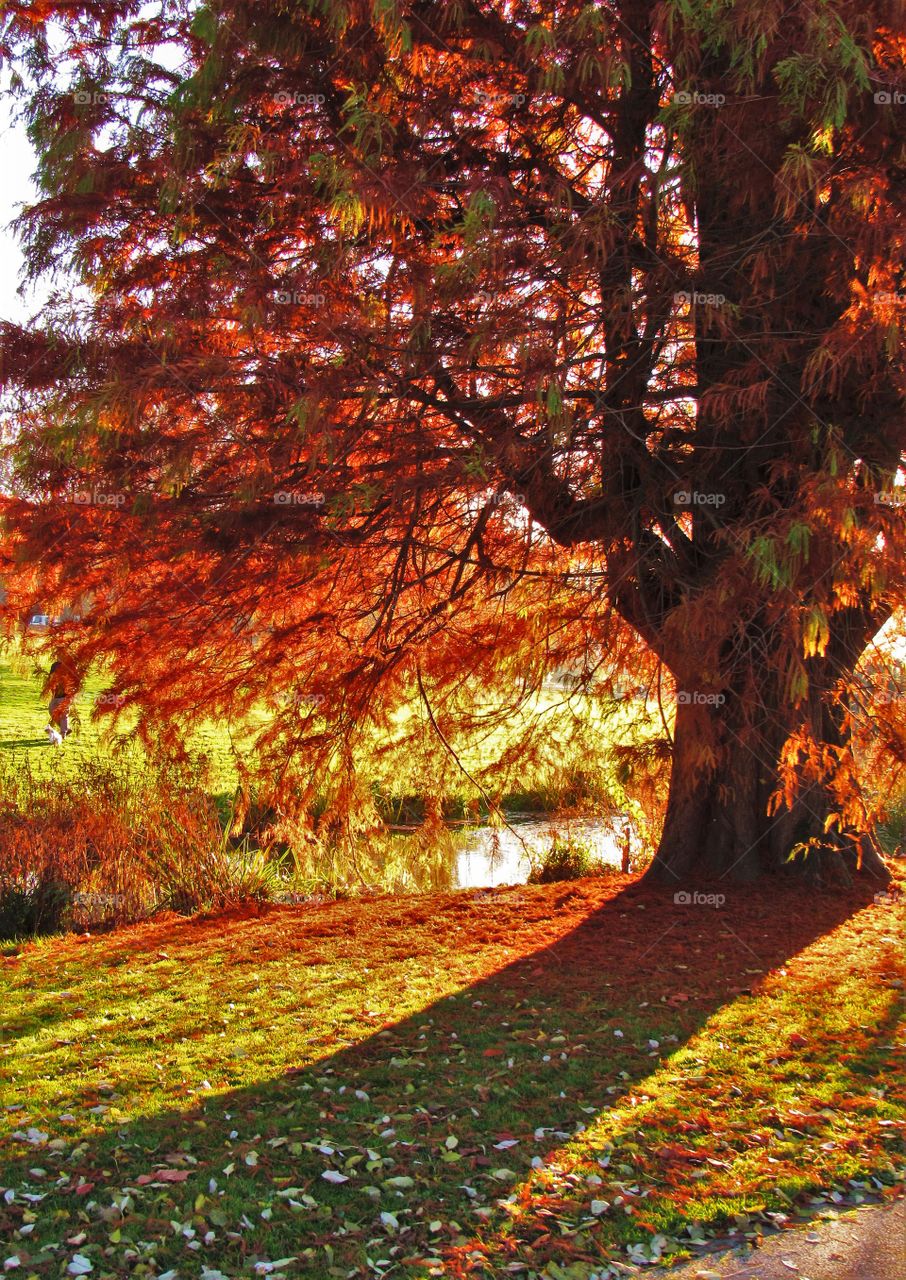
(572, 769)
(24, 717)
(570, 765)
(184, 1086)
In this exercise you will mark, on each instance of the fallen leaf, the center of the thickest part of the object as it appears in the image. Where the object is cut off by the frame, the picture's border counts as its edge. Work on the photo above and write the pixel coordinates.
(162, 1175)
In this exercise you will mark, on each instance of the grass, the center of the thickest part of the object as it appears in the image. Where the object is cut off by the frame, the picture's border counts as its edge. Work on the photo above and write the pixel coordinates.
(402, 774)
(538, 1080)
(24, 716)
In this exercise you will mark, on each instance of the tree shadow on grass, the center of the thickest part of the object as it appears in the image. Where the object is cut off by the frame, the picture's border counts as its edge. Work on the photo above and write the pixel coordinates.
(16, 744)
(440, 1113)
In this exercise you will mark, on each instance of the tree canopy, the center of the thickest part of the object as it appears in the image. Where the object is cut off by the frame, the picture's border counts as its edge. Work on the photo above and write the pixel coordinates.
(413, 344)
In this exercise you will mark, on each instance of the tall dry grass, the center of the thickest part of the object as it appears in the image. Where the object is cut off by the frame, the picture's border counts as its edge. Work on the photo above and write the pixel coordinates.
(116, 843)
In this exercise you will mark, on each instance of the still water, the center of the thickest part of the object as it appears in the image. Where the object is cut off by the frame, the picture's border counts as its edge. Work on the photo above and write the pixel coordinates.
(488, 857)
(440, 859)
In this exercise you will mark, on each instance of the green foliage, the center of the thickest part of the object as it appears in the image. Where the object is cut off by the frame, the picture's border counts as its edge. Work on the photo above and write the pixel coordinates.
(32, 906)
(565, 859)
(892, 831)
(204, 25)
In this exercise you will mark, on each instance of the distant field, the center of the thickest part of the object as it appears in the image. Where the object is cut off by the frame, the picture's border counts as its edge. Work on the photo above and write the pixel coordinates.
(577, 734)
(24, 717)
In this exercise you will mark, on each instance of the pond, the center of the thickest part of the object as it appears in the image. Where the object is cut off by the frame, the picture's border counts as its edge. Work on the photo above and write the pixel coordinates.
(438, 859)
(487, 857)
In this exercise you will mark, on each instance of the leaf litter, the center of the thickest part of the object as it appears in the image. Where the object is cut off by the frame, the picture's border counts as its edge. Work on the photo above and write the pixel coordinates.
(749, 1115)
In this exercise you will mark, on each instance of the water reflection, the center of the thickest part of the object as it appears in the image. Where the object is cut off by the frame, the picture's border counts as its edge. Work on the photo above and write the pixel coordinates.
(485, 857)
(504, 855)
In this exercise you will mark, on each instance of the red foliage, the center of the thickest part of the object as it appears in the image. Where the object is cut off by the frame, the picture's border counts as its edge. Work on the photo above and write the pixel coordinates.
(425, 344)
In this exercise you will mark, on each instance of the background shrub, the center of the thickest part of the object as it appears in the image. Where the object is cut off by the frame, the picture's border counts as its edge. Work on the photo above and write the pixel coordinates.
(565, 859)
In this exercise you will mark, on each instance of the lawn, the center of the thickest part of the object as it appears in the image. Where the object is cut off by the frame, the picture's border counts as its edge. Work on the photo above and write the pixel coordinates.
(539, 1080)
(24, 716)
(574, 736)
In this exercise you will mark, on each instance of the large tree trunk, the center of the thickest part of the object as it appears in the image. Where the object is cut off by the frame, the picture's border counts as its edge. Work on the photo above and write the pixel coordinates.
(738, 710)
(718, 825)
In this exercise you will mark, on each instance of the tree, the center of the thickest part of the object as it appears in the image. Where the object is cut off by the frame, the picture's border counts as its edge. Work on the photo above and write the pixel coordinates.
(353, 273)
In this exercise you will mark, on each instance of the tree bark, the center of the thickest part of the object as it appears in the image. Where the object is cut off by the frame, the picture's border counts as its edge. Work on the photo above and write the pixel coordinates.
(718, 825)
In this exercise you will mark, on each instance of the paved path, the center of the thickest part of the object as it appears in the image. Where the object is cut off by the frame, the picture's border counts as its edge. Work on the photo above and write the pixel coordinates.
(862, 1244)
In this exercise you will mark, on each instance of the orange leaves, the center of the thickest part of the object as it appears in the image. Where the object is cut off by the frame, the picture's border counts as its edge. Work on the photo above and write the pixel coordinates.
(323, 285)
(162, 1176)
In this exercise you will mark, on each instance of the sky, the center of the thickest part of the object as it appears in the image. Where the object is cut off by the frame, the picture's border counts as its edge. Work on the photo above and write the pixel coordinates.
(16, 165)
